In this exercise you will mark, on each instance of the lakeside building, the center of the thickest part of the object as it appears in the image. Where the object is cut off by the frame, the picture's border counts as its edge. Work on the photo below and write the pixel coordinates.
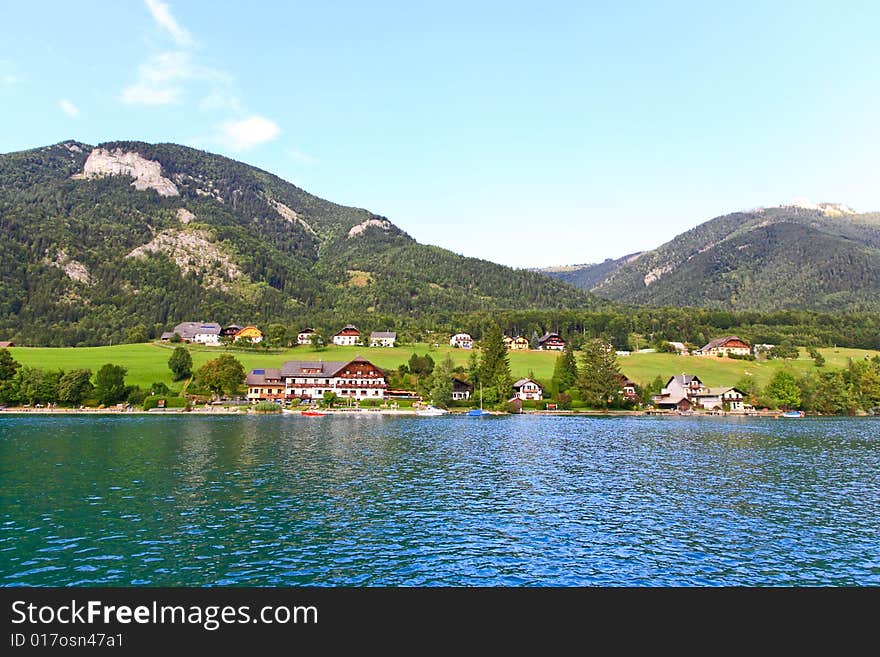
(265, 385)
(725, 346)
(551, 341)
(526, 389)
(686, 391)
(349, 336)
(308, 380)
(461, 390)
(383, 338)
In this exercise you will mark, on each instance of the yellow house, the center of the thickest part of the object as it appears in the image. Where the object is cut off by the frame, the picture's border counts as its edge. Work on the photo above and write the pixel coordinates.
(250, 333)
(508, 342)
(520, 343)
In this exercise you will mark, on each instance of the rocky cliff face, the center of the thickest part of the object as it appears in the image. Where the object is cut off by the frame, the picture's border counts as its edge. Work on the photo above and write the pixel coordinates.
(147, 174)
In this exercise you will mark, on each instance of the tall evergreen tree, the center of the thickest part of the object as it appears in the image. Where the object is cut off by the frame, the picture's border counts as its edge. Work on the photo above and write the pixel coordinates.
(565, 372)
(599, 377)
(441, 383)
(8, 365)
(494, 371)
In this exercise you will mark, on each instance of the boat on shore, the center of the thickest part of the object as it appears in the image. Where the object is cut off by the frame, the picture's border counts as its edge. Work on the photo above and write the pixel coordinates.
(430, 411)
(312, 413)
(792, 414)
(478, 412)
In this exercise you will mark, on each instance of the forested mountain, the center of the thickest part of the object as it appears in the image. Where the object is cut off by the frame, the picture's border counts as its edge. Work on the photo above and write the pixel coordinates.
(824, 258)
(590, 275)
(97, 240)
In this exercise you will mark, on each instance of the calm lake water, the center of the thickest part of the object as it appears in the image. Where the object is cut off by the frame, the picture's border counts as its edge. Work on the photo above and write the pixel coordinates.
(279, 501)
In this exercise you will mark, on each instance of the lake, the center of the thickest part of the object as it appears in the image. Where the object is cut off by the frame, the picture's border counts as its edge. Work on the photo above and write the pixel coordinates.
(372, 500)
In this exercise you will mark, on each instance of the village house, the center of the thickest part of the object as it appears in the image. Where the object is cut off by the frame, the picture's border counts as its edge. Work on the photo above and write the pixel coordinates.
(305, 336)
(349, 336)
(356, 379)
(686, 391)
(508, 342)
(527, 389)
(725, 346)
(383, 338)
(4, 345)
(461, 390)
(265, 385)
(461, 341)
(518, 343)
(628, 389)
(249, 333)
(679, 347)
(551, 341)
(207, 333)
(230, 331)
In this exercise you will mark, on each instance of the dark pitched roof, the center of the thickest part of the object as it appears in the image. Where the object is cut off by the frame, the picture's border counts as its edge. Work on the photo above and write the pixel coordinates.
(522, 382)
(684, 379)
(720, 342)
(548, 336)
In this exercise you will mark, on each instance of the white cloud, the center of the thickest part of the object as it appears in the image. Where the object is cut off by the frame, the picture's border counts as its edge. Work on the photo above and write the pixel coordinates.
(220, 99)
(68, 108)
(157, 78)
(246, 133)
(162, 15)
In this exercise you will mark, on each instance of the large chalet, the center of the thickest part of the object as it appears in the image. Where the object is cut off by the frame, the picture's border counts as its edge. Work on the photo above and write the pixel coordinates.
(552, 341)
(307, 380)
(207, 333)
(725, 346)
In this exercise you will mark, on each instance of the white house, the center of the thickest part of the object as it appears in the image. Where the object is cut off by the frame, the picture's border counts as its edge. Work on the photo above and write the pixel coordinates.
(382, 338)
(526, 389)
(207, 333)
(305, 336)
(462, 341)
(349, 336)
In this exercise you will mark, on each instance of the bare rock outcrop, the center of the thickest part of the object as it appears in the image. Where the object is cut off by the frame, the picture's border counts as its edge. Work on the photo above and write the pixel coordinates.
(147, 174)
(357, 229)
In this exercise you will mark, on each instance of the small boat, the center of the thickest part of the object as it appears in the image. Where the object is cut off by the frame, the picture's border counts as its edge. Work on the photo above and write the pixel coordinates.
(312, 413)
(478, 412)
(793, 414)
(431, 411)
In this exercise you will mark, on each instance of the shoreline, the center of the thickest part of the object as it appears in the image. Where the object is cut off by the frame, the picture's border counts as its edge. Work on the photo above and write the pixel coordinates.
(230, 411)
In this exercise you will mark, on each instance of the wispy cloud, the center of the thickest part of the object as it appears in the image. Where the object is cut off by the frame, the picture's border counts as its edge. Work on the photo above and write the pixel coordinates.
(246, 133)
(7, 74)
(161, 13)
(68, 108)
(303, 158)
(159, 79)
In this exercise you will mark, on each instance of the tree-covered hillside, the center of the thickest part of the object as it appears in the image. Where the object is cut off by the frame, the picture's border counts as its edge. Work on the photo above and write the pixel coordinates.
(823, 258)
(97, 242)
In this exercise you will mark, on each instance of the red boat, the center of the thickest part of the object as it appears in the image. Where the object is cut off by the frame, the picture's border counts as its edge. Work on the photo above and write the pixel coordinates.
(312, 413)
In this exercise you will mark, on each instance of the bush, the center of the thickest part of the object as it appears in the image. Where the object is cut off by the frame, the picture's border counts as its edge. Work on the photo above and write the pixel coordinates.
(741, 356)
(267, 407)
(136, 395)
(563, 401)
(369, 403)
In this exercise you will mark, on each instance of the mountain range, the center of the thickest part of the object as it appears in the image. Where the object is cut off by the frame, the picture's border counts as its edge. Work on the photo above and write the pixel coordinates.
(95, 240)
(822, 257)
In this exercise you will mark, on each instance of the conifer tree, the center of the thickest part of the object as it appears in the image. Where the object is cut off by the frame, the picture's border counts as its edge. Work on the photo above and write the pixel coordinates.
(599, 376)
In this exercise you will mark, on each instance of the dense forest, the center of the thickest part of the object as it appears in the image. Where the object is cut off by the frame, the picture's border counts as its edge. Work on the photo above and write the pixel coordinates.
(87, 258)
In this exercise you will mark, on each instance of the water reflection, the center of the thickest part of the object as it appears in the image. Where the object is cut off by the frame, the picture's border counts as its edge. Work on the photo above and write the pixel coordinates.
(373, 500)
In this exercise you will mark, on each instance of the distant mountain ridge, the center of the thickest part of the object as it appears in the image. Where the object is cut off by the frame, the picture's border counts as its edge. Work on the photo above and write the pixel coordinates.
(95, 240)
(823, 257)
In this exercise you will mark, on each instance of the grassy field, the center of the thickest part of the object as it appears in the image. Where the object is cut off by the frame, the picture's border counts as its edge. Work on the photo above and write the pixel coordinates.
(148, 363)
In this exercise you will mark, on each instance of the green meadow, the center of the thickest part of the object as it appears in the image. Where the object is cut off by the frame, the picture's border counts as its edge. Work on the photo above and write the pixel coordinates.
(148, 363)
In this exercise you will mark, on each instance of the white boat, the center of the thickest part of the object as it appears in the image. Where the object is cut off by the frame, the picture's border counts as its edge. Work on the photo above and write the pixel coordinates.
(431, 410)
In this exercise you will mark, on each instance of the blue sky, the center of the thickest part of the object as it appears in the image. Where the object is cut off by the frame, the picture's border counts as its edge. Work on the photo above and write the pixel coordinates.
(525, 133)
